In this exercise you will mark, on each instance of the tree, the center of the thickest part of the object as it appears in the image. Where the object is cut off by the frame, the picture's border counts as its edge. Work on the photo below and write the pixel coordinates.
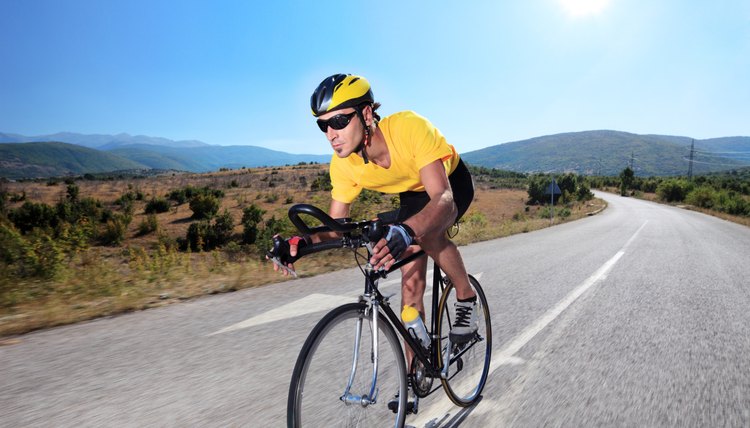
(626, 180)
(251, 217)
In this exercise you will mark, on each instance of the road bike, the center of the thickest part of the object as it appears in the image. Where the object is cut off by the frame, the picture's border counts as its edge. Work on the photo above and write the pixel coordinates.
(353, 363)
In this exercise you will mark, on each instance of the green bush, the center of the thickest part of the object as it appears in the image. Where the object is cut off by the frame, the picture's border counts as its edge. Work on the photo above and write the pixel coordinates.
(115, 230)
(703, 197)
(204, 206)
(32, 215)
(157, 205)
(148, 225)
(732, 203)
(189, 192)
(673, 190)
(33, 255)
(584, 192)
(322, 182)
(251, 218)
(204, 235)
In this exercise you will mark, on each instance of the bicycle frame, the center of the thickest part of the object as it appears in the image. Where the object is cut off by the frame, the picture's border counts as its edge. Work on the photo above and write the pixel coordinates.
(375, 300)
(381, 302)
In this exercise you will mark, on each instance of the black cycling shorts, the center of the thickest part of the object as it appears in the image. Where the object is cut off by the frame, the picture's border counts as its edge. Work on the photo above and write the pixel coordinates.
(463, 193)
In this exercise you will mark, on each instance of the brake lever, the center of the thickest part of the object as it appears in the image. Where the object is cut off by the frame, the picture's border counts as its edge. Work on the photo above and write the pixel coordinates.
(281, 266)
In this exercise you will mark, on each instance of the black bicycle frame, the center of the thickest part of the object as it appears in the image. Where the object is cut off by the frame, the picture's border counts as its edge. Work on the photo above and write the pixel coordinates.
(437, 290)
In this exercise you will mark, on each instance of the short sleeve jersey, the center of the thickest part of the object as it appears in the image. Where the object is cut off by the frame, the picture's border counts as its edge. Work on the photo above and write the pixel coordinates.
(413, 143)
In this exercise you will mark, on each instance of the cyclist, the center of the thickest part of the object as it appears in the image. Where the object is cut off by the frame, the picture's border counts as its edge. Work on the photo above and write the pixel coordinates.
(402, 153)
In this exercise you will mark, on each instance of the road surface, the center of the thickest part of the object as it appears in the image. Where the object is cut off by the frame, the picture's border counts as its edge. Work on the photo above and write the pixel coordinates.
(637, 316)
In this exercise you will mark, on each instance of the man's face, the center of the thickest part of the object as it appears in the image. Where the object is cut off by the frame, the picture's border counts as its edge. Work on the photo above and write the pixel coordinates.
(345, 140)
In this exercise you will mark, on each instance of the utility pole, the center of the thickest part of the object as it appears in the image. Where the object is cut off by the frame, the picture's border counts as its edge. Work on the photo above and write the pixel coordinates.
(632, 161)
(690, 167)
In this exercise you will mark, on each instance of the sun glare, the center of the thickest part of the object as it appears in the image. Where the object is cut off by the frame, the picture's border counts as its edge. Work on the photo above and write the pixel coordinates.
(583, 7)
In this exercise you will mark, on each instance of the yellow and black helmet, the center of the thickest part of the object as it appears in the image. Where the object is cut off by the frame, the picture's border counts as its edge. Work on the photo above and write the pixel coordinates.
(340, 91)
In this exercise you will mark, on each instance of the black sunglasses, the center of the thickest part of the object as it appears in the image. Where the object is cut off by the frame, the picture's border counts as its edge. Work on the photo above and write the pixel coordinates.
(340, 121)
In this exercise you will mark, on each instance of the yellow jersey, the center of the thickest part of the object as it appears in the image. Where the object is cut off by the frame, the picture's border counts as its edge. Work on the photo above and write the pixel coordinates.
(413, 143)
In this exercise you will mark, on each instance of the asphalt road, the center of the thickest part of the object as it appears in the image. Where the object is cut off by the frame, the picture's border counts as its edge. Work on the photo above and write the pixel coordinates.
(637, 316)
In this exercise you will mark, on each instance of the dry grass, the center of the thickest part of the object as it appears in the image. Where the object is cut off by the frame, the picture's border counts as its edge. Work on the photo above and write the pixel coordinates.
(142, 273)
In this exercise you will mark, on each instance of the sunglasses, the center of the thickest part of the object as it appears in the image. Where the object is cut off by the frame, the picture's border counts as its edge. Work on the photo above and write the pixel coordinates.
(340, 121)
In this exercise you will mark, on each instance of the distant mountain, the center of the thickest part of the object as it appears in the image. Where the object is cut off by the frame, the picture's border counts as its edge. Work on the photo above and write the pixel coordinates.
(609, 152)
(100, 141)
(211, 158)
(22, 158)
(31, 160)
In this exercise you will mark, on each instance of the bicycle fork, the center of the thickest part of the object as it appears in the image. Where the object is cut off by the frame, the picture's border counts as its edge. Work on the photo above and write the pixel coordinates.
(371, 398)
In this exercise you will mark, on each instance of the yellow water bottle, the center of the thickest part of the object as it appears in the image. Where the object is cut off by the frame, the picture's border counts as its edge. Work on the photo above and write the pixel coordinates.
(415, 326)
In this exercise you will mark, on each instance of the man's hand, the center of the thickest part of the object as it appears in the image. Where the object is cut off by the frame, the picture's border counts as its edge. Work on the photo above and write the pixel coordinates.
(283, 252)
(386, 252)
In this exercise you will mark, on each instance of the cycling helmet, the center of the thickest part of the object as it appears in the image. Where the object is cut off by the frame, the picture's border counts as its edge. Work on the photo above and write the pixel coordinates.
(340, 91)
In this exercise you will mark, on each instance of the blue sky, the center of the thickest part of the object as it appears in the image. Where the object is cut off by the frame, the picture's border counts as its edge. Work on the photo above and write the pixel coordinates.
(484, 72)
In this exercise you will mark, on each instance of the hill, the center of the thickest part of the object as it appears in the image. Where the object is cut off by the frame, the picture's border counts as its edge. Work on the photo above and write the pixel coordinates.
(211, 158)
(124, 151)
(609, 152)
(31, 160)
(100, 141)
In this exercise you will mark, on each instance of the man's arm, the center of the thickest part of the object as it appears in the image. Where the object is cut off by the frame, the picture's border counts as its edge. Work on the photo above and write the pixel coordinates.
(434, 218)
(441, 211)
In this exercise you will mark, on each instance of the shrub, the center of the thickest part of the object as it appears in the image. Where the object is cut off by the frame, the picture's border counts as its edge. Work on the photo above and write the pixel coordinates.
(703, 197)
(322, 182)
(156, 205)
(732, 203)
(72, 192)
(31, 215)
(251, 217)
(584, 192)
(34, 255)
(204, 206)
(187, 193)
(115, 230)
(148, 225)
(203, 235)
(673, 190)
(477, 219)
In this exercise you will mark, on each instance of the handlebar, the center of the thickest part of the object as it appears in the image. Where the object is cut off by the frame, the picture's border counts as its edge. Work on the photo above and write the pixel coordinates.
(371, 231)
(354, 234)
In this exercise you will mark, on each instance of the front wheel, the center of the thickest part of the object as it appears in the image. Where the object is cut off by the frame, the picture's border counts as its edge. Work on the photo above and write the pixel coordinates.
(469, 363)
(332, 381)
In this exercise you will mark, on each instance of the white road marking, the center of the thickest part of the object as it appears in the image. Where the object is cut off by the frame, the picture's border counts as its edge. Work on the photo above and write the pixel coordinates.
(506, 355)
(306, 305)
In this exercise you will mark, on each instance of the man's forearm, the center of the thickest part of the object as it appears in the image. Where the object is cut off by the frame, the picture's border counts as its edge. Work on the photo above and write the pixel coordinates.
(435, 217)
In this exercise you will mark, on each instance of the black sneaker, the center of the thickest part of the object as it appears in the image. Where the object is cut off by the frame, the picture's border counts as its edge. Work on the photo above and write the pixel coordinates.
(465, 325)
(412, 406)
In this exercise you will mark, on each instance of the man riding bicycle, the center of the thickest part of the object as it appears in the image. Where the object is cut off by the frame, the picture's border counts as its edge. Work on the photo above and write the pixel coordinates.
(402, 153)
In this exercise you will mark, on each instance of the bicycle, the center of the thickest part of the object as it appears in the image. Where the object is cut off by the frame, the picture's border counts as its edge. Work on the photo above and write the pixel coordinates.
(337, 382)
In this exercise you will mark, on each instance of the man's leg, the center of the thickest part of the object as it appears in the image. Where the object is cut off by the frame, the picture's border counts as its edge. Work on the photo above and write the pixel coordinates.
(446, 254)
(444, 251)
(413, 283)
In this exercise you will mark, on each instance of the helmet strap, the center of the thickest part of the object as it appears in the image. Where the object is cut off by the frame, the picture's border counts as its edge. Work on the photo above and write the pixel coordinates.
(362, 148)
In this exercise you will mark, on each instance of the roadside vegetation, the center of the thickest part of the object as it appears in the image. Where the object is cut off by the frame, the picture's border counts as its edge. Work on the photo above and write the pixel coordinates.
(725, 195)
(78, 248)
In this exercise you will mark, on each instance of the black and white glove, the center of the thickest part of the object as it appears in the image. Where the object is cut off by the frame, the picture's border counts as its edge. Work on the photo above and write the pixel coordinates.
(281, 255)
(398, 238)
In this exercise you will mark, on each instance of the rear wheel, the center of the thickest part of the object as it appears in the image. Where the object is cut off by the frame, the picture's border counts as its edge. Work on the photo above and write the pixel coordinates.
(330, 359)
(470, 362)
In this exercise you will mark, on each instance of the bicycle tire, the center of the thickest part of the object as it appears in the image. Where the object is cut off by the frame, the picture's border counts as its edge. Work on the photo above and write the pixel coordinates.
(323, 369)
(468, 371)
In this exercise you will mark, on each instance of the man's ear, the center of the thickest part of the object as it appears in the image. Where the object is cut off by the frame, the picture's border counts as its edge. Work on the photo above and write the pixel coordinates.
(367, 114)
